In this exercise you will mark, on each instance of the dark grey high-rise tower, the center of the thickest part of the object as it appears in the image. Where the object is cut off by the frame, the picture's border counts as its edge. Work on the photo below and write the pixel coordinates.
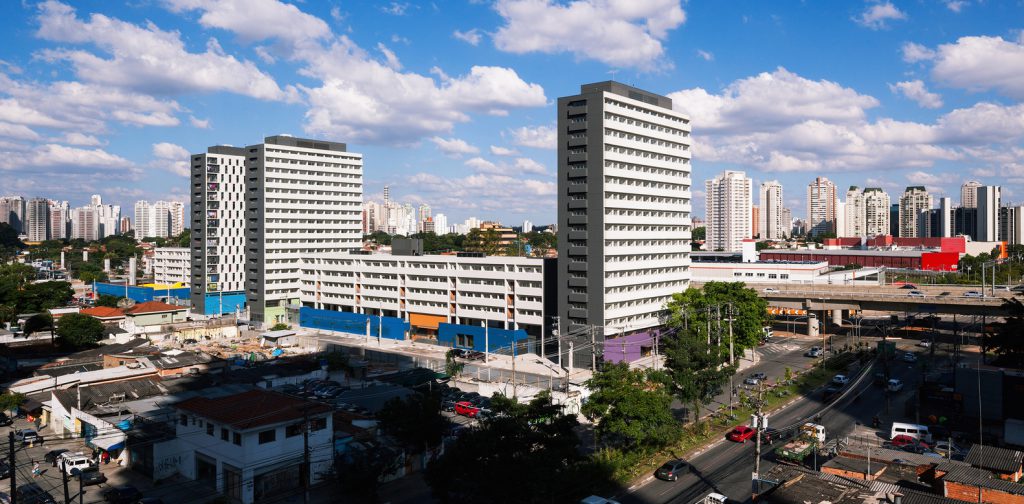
(623, 210)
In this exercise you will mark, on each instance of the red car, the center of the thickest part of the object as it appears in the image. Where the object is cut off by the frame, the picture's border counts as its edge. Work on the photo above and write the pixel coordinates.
(904, 440)
(466, 408)
(741, 434)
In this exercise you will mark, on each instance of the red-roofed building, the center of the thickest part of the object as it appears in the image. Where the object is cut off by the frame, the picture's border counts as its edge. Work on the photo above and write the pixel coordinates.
(104, 313)
(250, 445)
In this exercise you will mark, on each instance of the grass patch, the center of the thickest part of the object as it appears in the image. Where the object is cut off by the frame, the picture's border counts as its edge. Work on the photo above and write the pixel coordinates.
(627, 466)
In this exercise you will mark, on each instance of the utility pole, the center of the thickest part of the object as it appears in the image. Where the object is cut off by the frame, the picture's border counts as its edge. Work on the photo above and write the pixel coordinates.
(14, 472)
(67, 494)
(593, 349)
(760, 426)
(81, 489)
(731, 358)
(718, 332)
(513, 370)
(305, 455)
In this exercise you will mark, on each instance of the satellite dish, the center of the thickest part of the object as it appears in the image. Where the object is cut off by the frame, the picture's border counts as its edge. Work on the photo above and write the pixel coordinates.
(125, 303)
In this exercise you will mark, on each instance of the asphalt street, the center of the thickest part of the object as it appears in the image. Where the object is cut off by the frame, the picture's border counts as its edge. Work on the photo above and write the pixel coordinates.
(727, 466)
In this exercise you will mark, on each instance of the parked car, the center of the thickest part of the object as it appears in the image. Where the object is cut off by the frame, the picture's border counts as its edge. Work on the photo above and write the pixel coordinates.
(973, 294)
(31, 493)
(771, 290)
(909, 357)
(70, 464)
(814, 352)
(52, 455)
(904, 440)
(948, 449)
(92, 476)
(125, 494)
(58, 461)
(5, 470)
(741, 434)
(916, 293)
(908, 286)
(5, 420)
(918, 448)
(925, 343)
(671, 470)
(759, 376)
(28, 436)
(840, 379)
(466, 409)
(751, 380)
(597, 499)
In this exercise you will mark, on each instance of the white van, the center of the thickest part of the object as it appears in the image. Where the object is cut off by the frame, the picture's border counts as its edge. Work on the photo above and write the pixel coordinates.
(70, 464)
(918, 432)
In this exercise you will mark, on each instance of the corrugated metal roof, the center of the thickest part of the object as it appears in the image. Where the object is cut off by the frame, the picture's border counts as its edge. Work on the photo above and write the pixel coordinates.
(995, 459)
(982, 478)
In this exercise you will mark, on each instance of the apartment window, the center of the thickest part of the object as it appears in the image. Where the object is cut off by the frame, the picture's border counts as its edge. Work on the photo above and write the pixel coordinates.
(317, 424)
(223, 434)
(268, 436)
(237, 439)
(293, 430)
(183, 419)
(209, 429)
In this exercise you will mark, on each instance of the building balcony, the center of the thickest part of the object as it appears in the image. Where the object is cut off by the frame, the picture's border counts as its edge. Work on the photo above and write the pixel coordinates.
(576, 126)
(580, 157)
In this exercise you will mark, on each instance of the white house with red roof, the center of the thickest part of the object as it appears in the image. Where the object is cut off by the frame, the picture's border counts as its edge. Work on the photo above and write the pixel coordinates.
(152, 316)
(250, 446)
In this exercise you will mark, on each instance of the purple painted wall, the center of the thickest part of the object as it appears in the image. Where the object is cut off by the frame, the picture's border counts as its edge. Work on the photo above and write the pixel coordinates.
(628, 348)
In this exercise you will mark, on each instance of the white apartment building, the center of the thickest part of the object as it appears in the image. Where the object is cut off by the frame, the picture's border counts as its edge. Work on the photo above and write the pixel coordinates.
(172, 265)
(176, 218)
(504, 291)
(143, 216)
(303, 198)
(988, 199)
(855, 224)
(623, 208)
(250, 446)
(37, 219)
(218, 225)
(969, 194)
(729, 212)
(12, 211)
(85, 224)
(913, 203)
(877, 206)
(60, 215)
(772, 225)
(441, 224)
(821, 207)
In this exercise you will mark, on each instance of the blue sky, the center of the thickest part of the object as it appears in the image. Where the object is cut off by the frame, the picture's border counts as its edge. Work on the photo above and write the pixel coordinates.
(452, 102)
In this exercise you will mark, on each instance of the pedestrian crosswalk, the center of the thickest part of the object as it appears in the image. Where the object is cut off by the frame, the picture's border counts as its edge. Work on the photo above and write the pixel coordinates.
(777, 348)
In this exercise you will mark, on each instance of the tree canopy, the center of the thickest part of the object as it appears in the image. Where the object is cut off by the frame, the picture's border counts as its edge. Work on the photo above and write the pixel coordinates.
(416, 420)
(631, 407)
(524, 453)
(79, 331)
(19, 295)
(696, 371)
(1007, 342)
(689, 310)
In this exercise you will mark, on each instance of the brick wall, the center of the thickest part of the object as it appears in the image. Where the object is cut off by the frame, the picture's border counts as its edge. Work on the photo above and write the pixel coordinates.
(967, 493)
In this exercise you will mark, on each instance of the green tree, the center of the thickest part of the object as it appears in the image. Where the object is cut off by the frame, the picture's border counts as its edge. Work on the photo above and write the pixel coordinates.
(360, 472)
(378, 237)
(696, 372)
(452, 367)
(38, 297)
(10, 245)
(11, 400)
(532, 445)
(79, 331)
(689, 310)
(184, 239)
(38, 322)
(541, 242)
(337, 361)
(631, 407)
(416, 420)
(280, 326)
(699, 233)
(108, 300)
(1007, 341)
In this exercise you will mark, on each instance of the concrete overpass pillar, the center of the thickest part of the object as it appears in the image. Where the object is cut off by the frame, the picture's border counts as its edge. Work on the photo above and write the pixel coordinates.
(837, 317)
(812, 326)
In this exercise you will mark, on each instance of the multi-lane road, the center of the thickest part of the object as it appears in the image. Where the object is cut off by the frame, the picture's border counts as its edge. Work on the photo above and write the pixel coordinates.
(726, 467)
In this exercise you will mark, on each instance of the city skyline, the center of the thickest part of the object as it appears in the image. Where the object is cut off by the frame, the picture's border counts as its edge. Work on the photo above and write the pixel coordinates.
(473, 132)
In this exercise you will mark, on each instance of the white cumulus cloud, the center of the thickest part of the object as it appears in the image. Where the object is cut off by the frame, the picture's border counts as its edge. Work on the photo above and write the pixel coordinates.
(538, 137)
(454, 146)
(915, 90)
(471, 37)
(626, 34)
(502, 151)
(877, 15)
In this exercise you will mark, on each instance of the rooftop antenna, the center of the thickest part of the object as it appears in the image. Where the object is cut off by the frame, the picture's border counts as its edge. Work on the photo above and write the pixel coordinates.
(613, 72)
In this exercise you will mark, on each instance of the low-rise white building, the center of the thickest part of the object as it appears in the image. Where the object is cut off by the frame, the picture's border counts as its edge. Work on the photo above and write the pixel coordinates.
(506, 292)
(172, 265)
(250, 446)
(760, 272)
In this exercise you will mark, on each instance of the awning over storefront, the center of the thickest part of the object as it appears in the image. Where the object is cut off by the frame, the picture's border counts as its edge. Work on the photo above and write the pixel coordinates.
(109, 441)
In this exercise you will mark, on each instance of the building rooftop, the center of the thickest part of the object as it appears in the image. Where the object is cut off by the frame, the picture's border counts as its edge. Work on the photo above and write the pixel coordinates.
(890, 253)
(981, 478)
(103, 312)
(153, 307)
(995, 459)
(255, 408)
(106, 397)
